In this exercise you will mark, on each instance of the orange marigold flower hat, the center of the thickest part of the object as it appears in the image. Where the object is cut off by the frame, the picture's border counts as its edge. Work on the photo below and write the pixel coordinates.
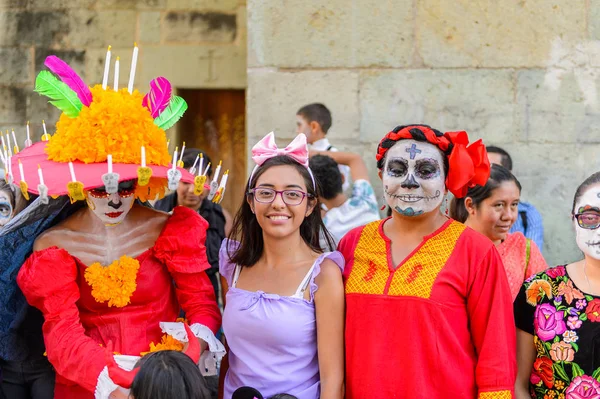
(104, 135)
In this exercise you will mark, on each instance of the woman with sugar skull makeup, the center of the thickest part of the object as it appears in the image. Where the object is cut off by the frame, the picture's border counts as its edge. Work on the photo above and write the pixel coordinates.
(557, 313)
(107, 271)
(428, 308)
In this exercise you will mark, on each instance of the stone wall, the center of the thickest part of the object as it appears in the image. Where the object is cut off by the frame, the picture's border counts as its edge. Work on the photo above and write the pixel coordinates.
(521, 74)
(194, 43)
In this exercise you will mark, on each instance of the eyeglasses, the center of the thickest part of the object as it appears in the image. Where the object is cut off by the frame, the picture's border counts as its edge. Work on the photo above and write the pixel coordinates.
(267, 195)
(126, 189)
(588, 220)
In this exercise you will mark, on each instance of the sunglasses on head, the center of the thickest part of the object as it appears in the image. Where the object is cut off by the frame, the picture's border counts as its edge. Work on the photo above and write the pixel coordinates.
(126, 189)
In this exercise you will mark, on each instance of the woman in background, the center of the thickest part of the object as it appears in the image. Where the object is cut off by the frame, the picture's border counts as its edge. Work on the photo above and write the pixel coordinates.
(492, 209)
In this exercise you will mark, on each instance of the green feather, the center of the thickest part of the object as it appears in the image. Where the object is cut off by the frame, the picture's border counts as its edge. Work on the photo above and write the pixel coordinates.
(61, 96)
(172, 113)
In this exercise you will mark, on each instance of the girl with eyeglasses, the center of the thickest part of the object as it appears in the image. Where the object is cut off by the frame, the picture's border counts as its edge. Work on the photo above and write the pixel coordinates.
(557, 313)
(284, 297)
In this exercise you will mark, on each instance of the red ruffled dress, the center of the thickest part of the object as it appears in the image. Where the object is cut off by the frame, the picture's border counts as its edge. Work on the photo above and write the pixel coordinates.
(171, 276)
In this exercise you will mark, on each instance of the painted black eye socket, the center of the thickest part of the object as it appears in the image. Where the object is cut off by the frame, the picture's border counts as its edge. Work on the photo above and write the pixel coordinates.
(397, 168)
(427, 168)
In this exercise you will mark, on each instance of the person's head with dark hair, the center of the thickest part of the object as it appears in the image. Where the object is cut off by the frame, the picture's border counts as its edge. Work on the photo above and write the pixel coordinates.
(499, 156)
(280, 202)
(490, 209)
(185, 191)
(418, 165)
(168, 375)
(328, 176)
(314, 120)
(586, 217)
(11, 202)
(283, 396)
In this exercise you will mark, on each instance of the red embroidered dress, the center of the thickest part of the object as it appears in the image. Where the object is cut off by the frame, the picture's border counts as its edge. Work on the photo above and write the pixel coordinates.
(77, 327)
(440, 325)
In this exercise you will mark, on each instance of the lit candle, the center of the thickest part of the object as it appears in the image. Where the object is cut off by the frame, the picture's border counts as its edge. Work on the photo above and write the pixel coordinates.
(73, 178)
(143, 157)
(174, 166)
(116, 85)
(133, 65)
(109, 160)
(106, 69)
(40, 174)
(193, 168)
(10, 166)
(216, 176)
(21, 171)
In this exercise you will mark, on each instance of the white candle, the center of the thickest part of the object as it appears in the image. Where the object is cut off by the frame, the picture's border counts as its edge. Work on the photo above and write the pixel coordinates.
(201, 164)
(106, 69)
(8, 142)
(133, 65)
(174, 166)
(193, 168)
(116, 85)
(73, 178)
(15, 140)
(182, 150)
(45, 136)
(206, 170)
(143, 157)
(216, 176)
(10, 165)
(40, 174)
(109, 160)
(4, 146)
(28, 141)
(21, 171)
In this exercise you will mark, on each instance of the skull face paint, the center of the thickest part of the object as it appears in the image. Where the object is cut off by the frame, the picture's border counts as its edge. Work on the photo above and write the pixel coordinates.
(112, 209)
(413, 177)
(588, 236)
(6, 209)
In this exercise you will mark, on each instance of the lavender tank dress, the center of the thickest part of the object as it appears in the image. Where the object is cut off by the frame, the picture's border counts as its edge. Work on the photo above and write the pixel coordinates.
(272, 339)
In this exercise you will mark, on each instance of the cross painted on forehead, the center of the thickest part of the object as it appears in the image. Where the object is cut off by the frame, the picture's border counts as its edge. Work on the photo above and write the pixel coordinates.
(413, 151)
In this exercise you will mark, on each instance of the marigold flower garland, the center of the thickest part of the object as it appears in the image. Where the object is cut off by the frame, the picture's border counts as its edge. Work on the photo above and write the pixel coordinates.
(166, 343)
(114, 283)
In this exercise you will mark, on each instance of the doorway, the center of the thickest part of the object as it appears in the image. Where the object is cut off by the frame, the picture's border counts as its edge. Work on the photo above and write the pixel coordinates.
(215, 122)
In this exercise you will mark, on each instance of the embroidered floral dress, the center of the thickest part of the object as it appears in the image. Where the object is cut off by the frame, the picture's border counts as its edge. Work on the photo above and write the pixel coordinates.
(565, 324)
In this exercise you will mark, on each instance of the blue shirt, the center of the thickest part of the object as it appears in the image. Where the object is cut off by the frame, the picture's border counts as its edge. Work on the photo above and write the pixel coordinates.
(535, 228)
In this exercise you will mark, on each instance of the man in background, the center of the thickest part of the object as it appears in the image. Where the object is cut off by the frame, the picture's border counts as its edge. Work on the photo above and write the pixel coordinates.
(529, 221)
(211, 212)
(314, 120)
(340, 212)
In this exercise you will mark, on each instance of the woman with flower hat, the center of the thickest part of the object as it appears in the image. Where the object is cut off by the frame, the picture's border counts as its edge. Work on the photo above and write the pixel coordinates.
(284, 308)
(428, 307)
(557, 313)
(112, 272)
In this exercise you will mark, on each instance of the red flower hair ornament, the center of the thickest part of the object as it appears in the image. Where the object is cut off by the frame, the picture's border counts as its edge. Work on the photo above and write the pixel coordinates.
(468, 165)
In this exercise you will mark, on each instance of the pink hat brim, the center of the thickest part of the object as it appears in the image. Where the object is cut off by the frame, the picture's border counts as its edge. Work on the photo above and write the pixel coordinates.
(57, 175)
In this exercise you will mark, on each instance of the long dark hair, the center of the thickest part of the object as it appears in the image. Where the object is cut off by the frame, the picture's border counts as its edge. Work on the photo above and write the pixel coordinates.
(590, 181)
(498, 175)
(169, 375)
(248, 232)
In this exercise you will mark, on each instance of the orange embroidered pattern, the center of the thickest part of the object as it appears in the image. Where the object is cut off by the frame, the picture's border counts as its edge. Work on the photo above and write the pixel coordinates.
(495, 395)
(426, 263)
(370, 271)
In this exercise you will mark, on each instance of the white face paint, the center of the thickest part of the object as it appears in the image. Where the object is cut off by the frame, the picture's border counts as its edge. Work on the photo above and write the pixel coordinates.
(6, 209)
(413, 177)
(588, 240)
(112, 209)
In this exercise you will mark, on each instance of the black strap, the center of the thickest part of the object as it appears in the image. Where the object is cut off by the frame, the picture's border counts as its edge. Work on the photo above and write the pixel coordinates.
(329, 148)
(523, 216)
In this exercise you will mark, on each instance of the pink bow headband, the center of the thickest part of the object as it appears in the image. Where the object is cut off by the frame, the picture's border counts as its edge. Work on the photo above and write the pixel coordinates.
(266, 149)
